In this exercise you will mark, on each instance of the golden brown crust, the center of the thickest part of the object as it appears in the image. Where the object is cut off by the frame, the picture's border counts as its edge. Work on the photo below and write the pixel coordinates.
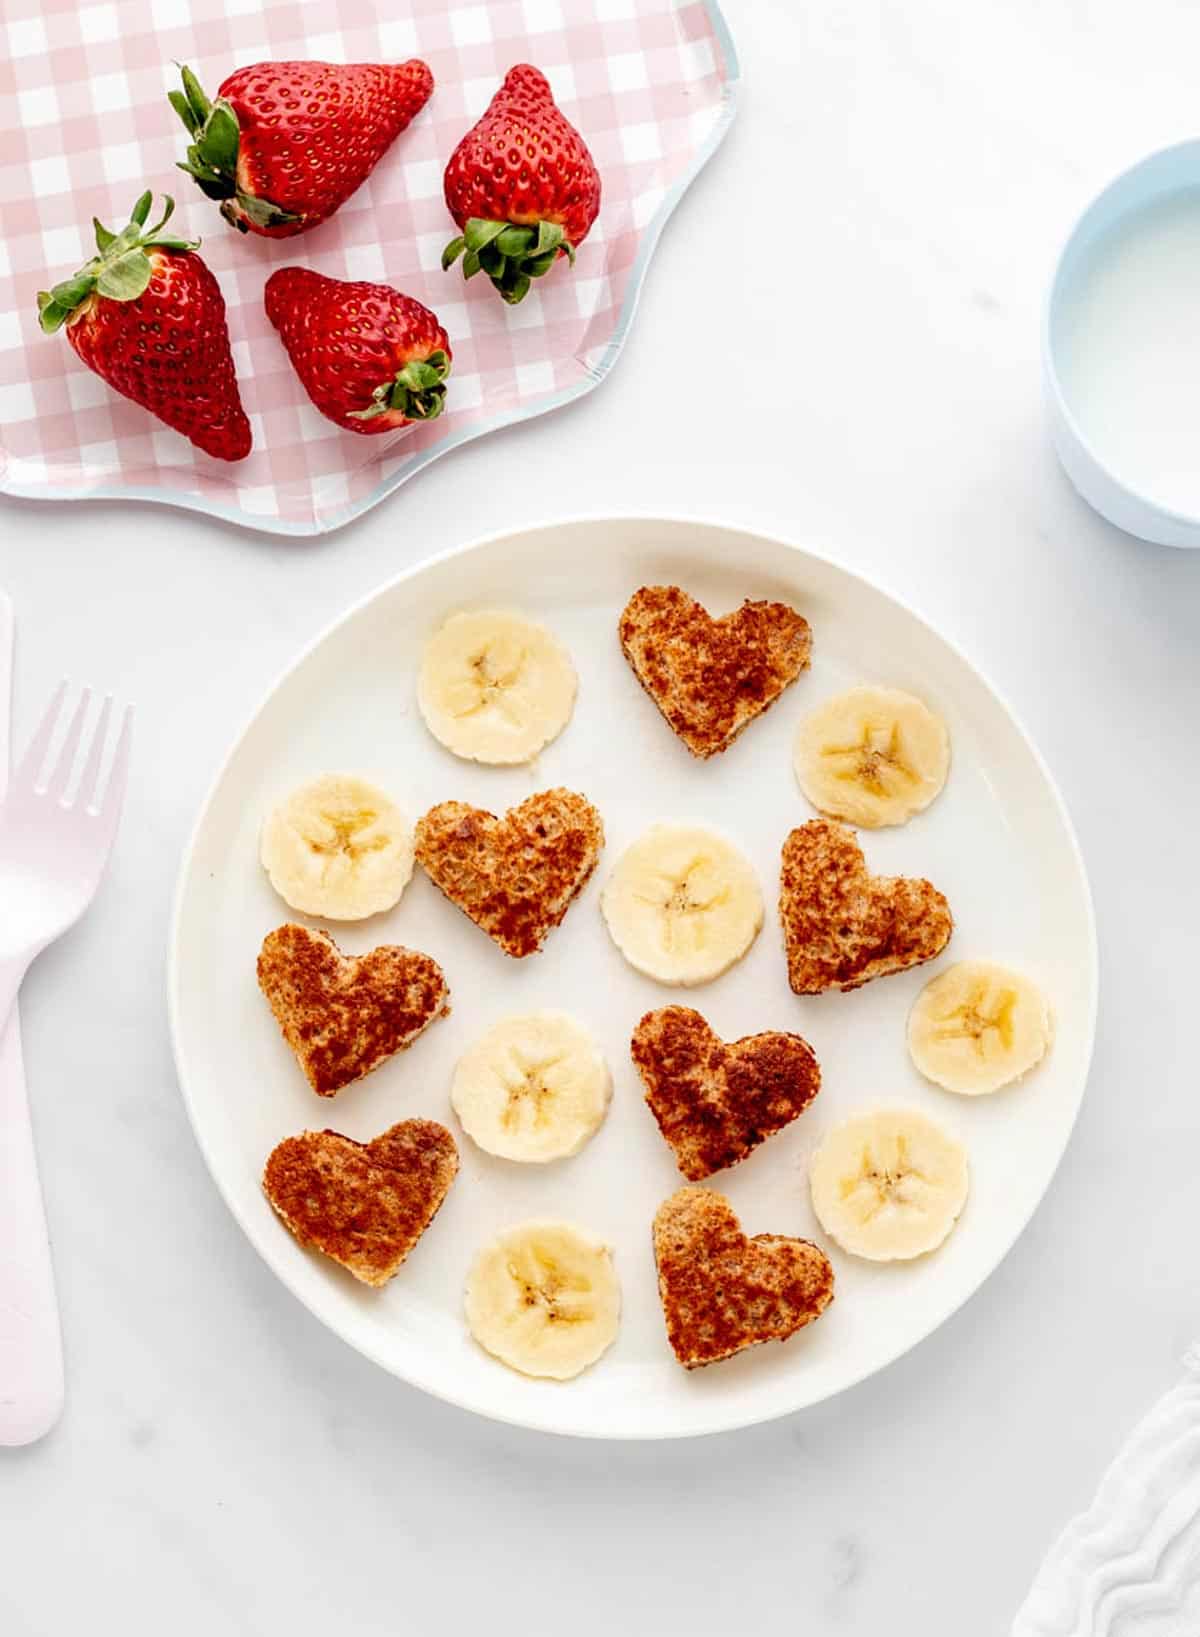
(715, 1102)
(363, 1204)
(343, 1015)
(514, 876)
(842, 925)
(722, 1291)
(710, 678)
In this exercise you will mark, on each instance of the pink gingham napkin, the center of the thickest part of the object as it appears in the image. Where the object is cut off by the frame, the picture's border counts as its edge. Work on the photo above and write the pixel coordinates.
(650, 83)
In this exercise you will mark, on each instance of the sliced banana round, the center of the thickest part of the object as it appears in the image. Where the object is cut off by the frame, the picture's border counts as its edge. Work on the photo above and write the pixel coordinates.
(872, 756)
(888, 1185)
(495, 687)
(534, 1088)
(682, 904)
(338, 848)
(977, 1027)
(544, 1299)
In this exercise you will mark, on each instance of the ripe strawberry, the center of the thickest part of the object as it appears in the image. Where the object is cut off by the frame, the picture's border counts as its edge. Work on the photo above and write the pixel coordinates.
(522, 187)
(286, 143)
(370, 358)
(147, 315)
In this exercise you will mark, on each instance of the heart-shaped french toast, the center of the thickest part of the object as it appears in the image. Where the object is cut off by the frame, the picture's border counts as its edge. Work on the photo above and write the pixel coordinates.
(844, 926)
(363, 1204)
(711, 677)
(343, 1015)
(722, 1291)
(514, 876)
(715, 1102)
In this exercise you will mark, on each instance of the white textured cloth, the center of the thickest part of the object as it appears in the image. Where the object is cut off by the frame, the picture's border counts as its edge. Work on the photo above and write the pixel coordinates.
(1130, 1565)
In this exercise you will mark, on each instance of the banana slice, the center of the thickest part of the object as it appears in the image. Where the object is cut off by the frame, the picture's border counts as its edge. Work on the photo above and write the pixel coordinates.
(888, 1186)
(978, 1026)
(872, 756)
(338, 848)
(682, 904)
(544, 1299)
(495, 687)
(535, 1088)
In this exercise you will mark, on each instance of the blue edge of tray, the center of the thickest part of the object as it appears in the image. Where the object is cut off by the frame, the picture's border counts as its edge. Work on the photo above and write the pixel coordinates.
(347, 513)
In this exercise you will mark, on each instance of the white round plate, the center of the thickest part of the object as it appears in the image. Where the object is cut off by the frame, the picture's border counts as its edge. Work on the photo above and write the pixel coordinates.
(998, 843)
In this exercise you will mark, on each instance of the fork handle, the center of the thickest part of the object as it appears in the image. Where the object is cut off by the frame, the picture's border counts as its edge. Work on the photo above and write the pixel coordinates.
(31, 1362)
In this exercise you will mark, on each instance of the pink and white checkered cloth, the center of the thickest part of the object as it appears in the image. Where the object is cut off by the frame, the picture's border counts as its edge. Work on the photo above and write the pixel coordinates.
(650, 83)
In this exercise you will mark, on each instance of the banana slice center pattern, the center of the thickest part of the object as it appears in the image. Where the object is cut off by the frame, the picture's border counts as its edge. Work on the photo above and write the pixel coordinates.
(683, 910)
(347, 839)
(878, 1185)
(491, 681)
(527, 1092)
(876, 761)
(973, 1021)
(560, 1295)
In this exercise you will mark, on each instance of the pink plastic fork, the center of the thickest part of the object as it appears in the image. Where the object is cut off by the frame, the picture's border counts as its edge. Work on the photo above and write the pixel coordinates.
(53, 851)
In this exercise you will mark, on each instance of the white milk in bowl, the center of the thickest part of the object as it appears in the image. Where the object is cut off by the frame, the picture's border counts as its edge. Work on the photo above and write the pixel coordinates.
(1129, 351)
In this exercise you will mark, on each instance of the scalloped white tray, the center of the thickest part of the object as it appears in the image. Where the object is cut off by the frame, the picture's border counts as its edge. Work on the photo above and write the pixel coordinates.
(651, 83)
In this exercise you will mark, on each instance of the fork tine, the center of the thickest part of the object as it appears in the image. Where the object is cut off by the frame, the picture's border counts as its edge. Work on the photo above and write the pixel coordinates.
(57, 783)
(91, 770)
(31, 763)
(114, 790)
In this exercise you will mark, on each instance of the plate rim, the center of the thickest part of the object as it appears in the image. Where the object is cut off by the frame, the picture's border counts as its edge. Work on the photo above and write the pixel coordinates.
(562, 1425)
(181, 500)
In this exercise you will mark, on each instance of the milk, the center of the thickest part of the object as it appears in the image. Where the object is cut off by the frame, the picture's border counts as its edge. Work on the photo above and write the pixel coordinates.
(1129, 351)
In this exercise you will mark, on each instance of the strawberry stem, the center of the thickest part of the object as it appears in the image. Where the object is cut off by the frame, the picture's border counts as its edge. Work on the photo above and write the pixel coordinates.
(512, 254)
(120, 269)
(418, 390)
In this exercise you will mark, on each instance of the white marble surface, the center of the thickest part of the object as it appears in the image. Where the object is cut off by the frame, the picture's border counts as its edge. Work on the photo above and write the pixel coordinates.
(837, 340)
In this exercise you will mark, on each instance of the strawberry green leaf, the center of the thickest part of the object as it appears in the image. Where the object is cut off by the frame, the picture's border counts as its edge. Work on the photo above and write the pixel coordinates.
(218, 141)
(479, 232)
(515, 287)
(491, 259)
(74, 290)
(209, 188)
(51, 316)
(550, 236)
(515, 241)
(103, 237)
(152, 233)
(184, 109)
(197, 101)
(125, 278)
(470, 264)
(262, 212)
(452, 252)
(141, 210)
(418, 375)
(538, 266)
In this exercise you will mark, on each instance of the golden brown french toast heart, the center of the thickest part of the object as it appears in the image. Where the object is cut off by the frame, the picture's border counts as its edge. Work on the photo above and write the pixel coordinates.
(363, 1204)
(844, 926)
(711, 677)
(514, 876)
(715, 1102)
(343, 1015)
(722, 1291)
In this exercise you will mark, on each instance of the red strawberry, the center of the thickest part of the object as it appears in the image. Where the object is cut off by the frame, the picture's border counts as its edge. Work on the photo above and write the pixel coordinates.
(147, 315)
(521, 185)
(286, 143)
(370, 358)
